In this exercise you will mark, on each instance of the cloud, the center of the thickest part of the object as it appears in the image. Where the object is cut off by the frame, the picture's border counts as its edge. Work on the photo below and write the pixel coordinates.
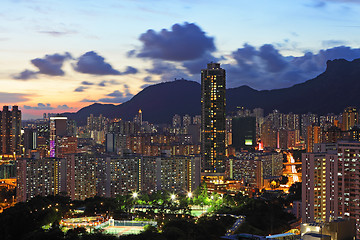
(80, 89)
(267, 68)
(145, 86)
(86, 83)
(167, 72)
(182, 42)
(323, 3)
(64, 107)
(57, 33)
(194, 66)
(47, 106)
(88, 100)
(130, 70)
(6, 97)
(149, 79)
(25, 75)
(332, 43)
(342, 1)
(40, 106)
(117, 96)
(107, 82)
(92, 63)
(317, 4)
(116, 93)
(160, 67)
(49, 65)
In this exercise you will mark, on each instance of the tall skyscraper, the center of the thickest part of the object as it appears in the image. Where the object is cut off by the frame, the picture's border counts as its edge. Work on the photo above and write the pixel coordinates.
(213, 86)
(57, 129)
(10, 130)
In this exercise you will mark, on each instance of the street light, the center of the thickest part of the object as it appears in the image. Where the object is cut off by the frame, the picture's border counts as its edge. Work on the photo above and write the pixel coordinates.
(135, 195)
(189, 194)
(173, 197)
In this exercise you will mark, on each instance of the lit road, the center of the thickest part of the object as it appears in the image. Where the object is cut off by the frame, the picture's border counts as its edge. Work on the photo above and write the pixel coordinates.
(240, 220)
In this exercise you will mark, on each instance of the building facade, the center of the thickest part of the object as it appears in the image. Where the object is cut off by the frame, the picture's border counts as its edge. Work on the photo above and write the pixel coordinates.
(10, 124)
(42, 177)
(330, 187)
(213, 151)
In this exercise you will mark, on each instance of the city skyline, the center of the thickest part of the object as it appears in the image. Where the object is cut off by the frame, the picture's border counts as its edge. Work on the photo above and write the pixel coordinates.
(61, 56)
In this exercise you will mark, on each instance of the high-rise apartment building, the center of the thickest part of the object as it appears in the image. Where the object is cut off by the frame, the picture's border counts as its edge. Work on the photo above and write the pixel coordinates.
(176, 121)
(81, 176)
(213, 151)
(186, 120)
(46, 176)
(330, 187)
(58, 126)
(319, 186)
(313, 136)
(349, 182)
(10, 130)
(350, 118)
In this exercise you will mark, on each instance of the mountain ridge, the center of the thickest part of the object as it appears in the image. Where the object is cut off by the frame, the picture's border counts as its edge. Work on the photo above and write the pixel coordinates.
(330, 92)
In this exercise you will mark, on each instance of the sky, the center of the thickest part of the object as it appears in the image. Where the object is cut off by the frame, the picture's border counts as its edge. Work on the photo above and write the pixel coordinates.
(60, 56)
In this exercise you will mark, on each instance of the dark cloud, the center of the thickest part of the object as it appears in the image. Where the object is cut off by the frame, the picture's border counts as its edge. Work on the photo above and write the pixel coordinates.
(117, 96)
(273, 60)
(267, 68)
(149, 79)
(80, 89)
(25, 75)
(182, 42)
(145, 86)
(332, 43)
(131, 53)
(49, 65)
(47, 106)
(64, 107)
(6, 97)
(102, 84)
(92, 63)
(88, 100)
(114, 100)
(40, 106)
(323, 3)
(160, 67)
(167, 71)
(130, 70)
(116, 93)
(107, 82)
(86, 83)
(57, 33)
(318, 4)
(342, 1)
(194, 66)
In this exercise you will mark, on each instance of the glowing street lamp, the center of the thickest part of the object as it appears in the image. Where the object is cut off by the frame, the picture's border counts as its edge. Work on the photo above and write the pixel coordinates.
(189, 194)
(173, 197)
(135, 195)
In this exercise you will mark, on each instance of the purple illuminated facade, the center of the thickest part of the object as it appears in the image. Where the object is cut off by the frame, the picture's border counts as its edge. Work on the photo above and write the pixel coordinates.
(57, 129)
(52, 148)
